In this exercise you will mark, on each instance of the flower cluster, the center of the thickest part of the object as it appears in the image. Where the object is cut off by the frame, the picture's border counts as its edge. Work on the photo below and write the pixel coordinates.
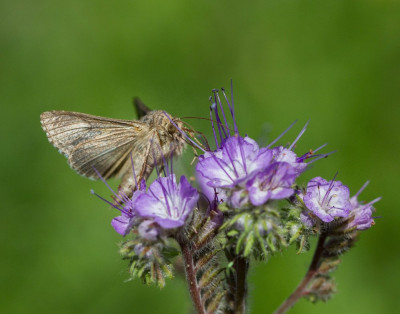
(242, 172)
(164, 206)
(237, 216)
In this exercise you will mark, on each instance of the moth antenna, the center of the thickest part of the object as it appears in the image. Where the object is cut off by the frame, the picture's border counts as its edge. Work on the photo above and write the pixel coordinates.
(199, 118)
(192, 131)
(203, 118)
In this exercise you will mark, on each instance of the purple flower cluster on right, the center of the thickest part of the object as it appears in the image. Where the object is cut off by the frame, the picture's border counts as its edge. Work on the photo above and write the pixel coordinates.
(244, 174)
(326, 201)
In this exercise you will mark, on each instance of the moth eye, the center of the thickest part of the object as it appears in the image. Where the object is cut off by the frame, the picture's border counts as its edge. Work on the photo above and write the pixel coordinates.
(171, 129)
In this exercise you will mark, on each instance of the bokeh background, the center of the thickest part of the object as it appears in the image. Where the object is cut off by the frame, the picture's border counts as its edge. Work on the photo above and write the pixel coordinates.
(334, 62)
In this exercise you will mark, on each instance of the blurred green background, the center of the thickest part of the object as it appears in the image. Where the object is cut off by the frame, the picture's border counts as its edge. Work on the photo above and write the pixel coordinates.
(334, 62)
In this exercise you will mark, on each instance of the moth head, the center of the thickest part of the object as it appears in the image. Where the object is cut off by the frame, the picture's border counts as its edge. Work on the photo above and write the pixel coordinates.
(171, 129)
(174, 132)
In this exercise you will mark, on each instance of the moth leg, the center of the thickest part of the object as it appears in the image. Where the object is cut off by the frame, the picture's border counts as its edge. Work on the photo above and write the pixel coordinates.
(142, 168)
(147, 167)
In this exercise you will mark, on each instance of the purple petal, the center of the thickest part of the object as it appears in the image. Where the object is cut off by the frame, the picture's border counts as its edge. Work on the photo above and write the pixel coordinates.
(120, 224)
(238, 199)
(327, 200)
(362, 217)
(217, 172)
(147, 205)
(168, 223)
(282, 154)
(257, 196)
(234, 163)
(272, 183)
(306, 219)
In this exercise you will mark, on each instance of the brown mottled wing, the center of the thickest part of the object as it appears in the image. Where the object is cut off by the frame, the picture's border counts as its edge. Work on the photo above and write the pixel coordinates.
(92, 142)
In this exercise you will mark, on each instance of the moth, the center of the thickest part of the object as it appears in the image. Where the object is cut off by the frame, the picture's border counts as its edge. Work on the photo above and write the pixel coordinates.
(103, 146)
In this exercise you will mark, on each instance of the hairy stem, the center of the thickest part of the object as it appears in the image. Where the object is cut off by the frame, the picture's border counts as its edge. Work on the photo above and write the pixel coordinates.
(236, 281)
(241, 266)
(312, 271)
(191, 278)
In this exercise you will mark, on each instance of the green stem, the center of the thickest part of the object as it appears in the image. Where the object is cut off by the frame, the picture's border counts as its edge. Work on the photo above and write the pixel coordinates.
(312, 271)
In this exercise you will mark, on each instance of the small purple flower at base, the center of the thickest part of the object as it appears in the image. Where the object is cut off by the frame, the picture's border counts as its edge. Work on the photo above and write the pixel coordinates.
(166, 202)
(273, 183)
(306, 219)
(123, 224)
(148, 230)
(327, 200)
(361, 214)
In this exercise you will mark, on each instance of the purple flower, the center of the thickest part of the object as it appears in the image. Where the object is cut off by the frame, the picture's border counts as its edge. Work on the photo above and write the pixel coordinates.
(240, 171)
(167, 202)
(226, 170)
(209, 192)
(272, 183)
(360, 212)
(232, 164)
(148, 230)
(123, 223)
(327, 200)
(229, 168)
(235, 157)
(306, 219)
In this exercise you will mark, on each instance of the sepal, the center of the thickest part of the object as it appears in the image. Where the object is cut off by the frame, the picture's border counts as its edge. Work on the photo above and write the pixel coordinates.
(321, 288)
(258, 232)
(149, 261)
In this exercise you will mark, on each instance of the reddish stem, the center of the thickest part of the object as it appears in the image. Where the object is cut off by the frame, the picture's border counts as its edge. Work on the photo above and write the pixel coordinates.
(312, 271)
(191, 278)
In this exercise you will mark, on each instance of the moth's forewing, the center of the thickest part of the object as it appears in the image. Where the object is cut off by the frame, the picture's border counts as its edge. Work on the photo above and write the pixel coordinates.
(92, 142)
